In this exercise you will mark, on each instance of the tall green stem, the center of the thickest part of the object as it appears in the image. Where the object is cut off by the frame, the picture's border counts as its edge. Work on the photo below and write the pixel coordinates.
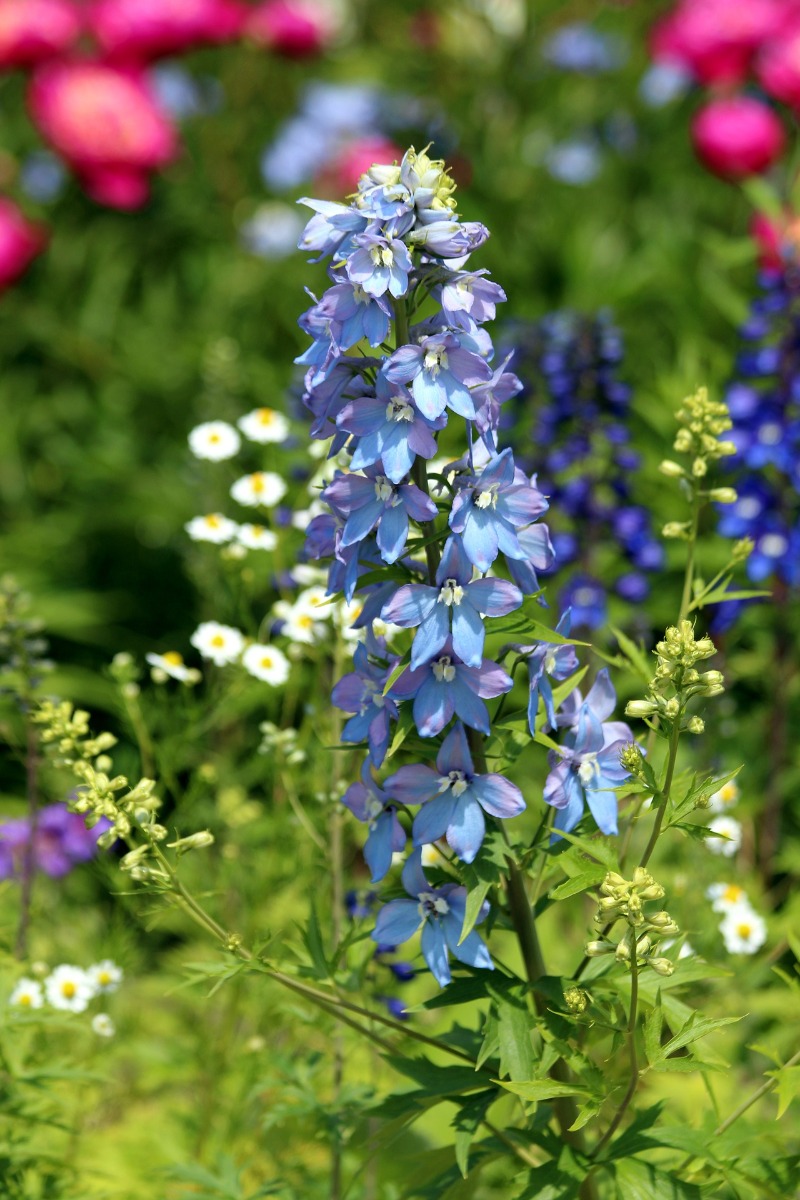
(633, 1082)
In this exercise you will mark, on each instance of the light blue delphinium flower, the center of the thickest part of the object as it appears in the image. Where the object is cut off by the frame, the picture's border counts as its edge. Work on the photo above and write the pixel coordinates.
(445, 687)
(456, 598)
(440, 912)
(544, 661)
(372, 805)
(588, 772)
(389, 426)
(454, 798)
(440, 371)
(371, 500)
(361, 693)
(489, 510)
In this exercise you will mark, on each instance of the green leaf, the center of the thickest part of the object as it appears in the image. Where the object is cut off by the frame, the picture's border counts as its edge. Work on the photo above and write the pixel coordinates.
(652, 1031)
(535, 1090)
(312, 937)
(514, 1025)
(719, 595)
(695, 1028)
(788, 1087)
(466, 1124)
(578, 883)
(435, 1081)
(637, 1180)
(403, 729)
(479, 876)
(601, 851)
(639, 660)
(397, 672)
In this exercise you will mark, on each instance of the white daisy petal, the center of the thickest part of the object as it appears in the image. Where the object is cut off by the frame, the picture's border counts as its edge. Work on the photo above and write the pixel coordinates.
(214, 440)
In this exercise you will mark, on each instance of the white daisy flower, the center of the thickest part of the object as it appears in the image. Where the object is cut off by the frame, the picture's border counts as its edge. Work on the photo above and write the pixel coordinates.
(27, 994)
(212, 528)
(256, 537)
(103, 1026)
(432, 855)
(267, 663)
(262, 489)
(308, 576)
(171, 665)
(725, 798)
(316, 601)
(69, 988)
(214, 440)
(385, 629)
(731, 836)
(221, 643)
(106, 975)
(724, 896)
(264, 425)
(299, 626)
(744, 930)
(345, 613)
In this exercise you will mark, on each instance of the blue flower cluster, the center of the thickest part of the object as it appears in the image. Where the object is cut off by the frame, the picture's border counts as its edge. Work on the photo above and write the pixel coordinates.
(764, 403)
(423, 548)
(576, 440)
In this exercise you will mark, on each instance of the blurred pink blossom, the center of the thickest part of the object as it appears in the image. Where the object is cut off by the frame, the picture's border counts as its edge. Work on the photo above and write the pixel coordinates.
(778, 68)
(294, 28)
(34, 30)
(717, 39)
(342, 173)
(142, 30)
(737, 136)
(20, 242)
(106, 123)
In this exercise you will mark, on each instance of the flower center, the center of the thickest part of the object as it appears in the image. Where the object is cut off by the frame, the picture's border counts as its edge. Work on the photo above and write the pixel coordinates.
(443, 670)
(68, 989)
(173, 658)
(25, 998)
(588, 769)
(550, 661)
(486, 498)
(359, 295)
(732, 893)
(455, 781)
(435, 361)
(744, 931)
(218, 640)
(431, 905)
(398, 410)
(774, 545)
(258, 483)
(451, 593)
(383, 489)
(266, 416)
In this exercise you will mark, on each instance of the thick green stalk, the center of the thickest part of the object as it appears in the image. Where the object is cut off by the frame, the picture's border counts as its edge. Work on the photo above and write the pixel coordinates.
(633, 1082)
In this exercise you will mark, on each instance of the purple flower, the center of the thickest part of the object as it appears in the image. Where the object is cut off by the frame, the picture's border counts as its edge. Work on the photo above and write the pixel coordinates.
(488, 512)
(455, 595)
(372, 499)
(539, 556)
(379, 264)
(449, 239)
(361, 693)
(589, 769)
(489, 398)
(440, 371)
(353, 314)
(370, 804)
(331, 226)
(454, 798)
(389, 427)
(440, 911)
(587, 599)
(469, 298)
(445, 687)
(60, 842)
(543, 660)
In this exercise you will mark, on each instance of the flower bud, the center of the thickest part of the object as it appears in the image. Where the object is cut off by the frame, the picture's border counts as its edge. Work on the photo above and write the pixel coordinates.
(742, 549)
(596, 949)
(725, 449)
(662, 966)
(194, 841)
(640, 708)
(671, 469)
(676, 529)
(699, 468)
(695, 725)
(723, 495)
(576, 999)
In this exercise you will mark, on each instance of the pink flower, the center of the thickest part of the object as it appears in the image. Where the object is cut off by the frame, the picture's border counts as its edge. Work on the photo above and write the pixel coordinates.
(737, 137)
(142, 30)
(105, 122)
(33, 30)
(342, 173)
(717, 39)
(294, 28)
(20, 242)
(778, 68)
(778, 240)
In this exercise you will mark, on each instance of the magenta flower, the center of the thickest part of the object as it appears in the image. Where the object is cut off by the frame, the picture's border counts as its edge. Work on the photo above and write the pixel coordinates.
(737, 136)
(294, 28)
(105, 122)
(32, 31)
(20, 242)
(142, 30)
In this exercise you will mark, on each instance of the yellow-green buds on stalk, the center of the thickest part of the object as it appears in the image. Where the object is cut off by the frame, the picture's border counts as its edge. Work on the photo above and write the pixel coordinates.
(194, 841)
(624, 899)
(676, 679)
(576, 1000)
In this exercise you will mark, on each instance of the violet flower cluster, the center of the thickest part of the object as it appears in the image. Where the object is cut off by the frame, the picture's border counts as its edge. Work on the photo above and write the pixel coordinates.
(440, 549)
(576, 439)
(764, 403)
(61, 842)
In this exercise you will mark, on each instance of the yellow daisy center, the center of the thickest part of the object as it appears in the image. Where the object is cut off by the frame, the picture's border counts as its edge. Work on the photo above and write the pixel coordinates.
(68, 989)
(732, 893)
(258, 483)
(266, 662)
(173, 658)
(744, 931)
(266, 416)
(212, 521)
(103, 978)
(24, 999)
(218, 640)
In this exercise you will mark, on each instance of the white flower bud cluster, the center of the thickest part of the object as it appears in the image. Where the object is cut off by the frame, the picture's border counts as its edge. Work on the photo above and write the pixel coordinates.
(677, 680)
(624, 899)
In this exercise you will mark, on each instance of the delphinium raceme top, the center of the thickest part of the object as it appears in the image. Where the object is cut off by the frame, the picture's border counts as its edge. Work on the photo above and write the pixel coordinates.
(575, 438)
(398, 357)
(764, 403)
